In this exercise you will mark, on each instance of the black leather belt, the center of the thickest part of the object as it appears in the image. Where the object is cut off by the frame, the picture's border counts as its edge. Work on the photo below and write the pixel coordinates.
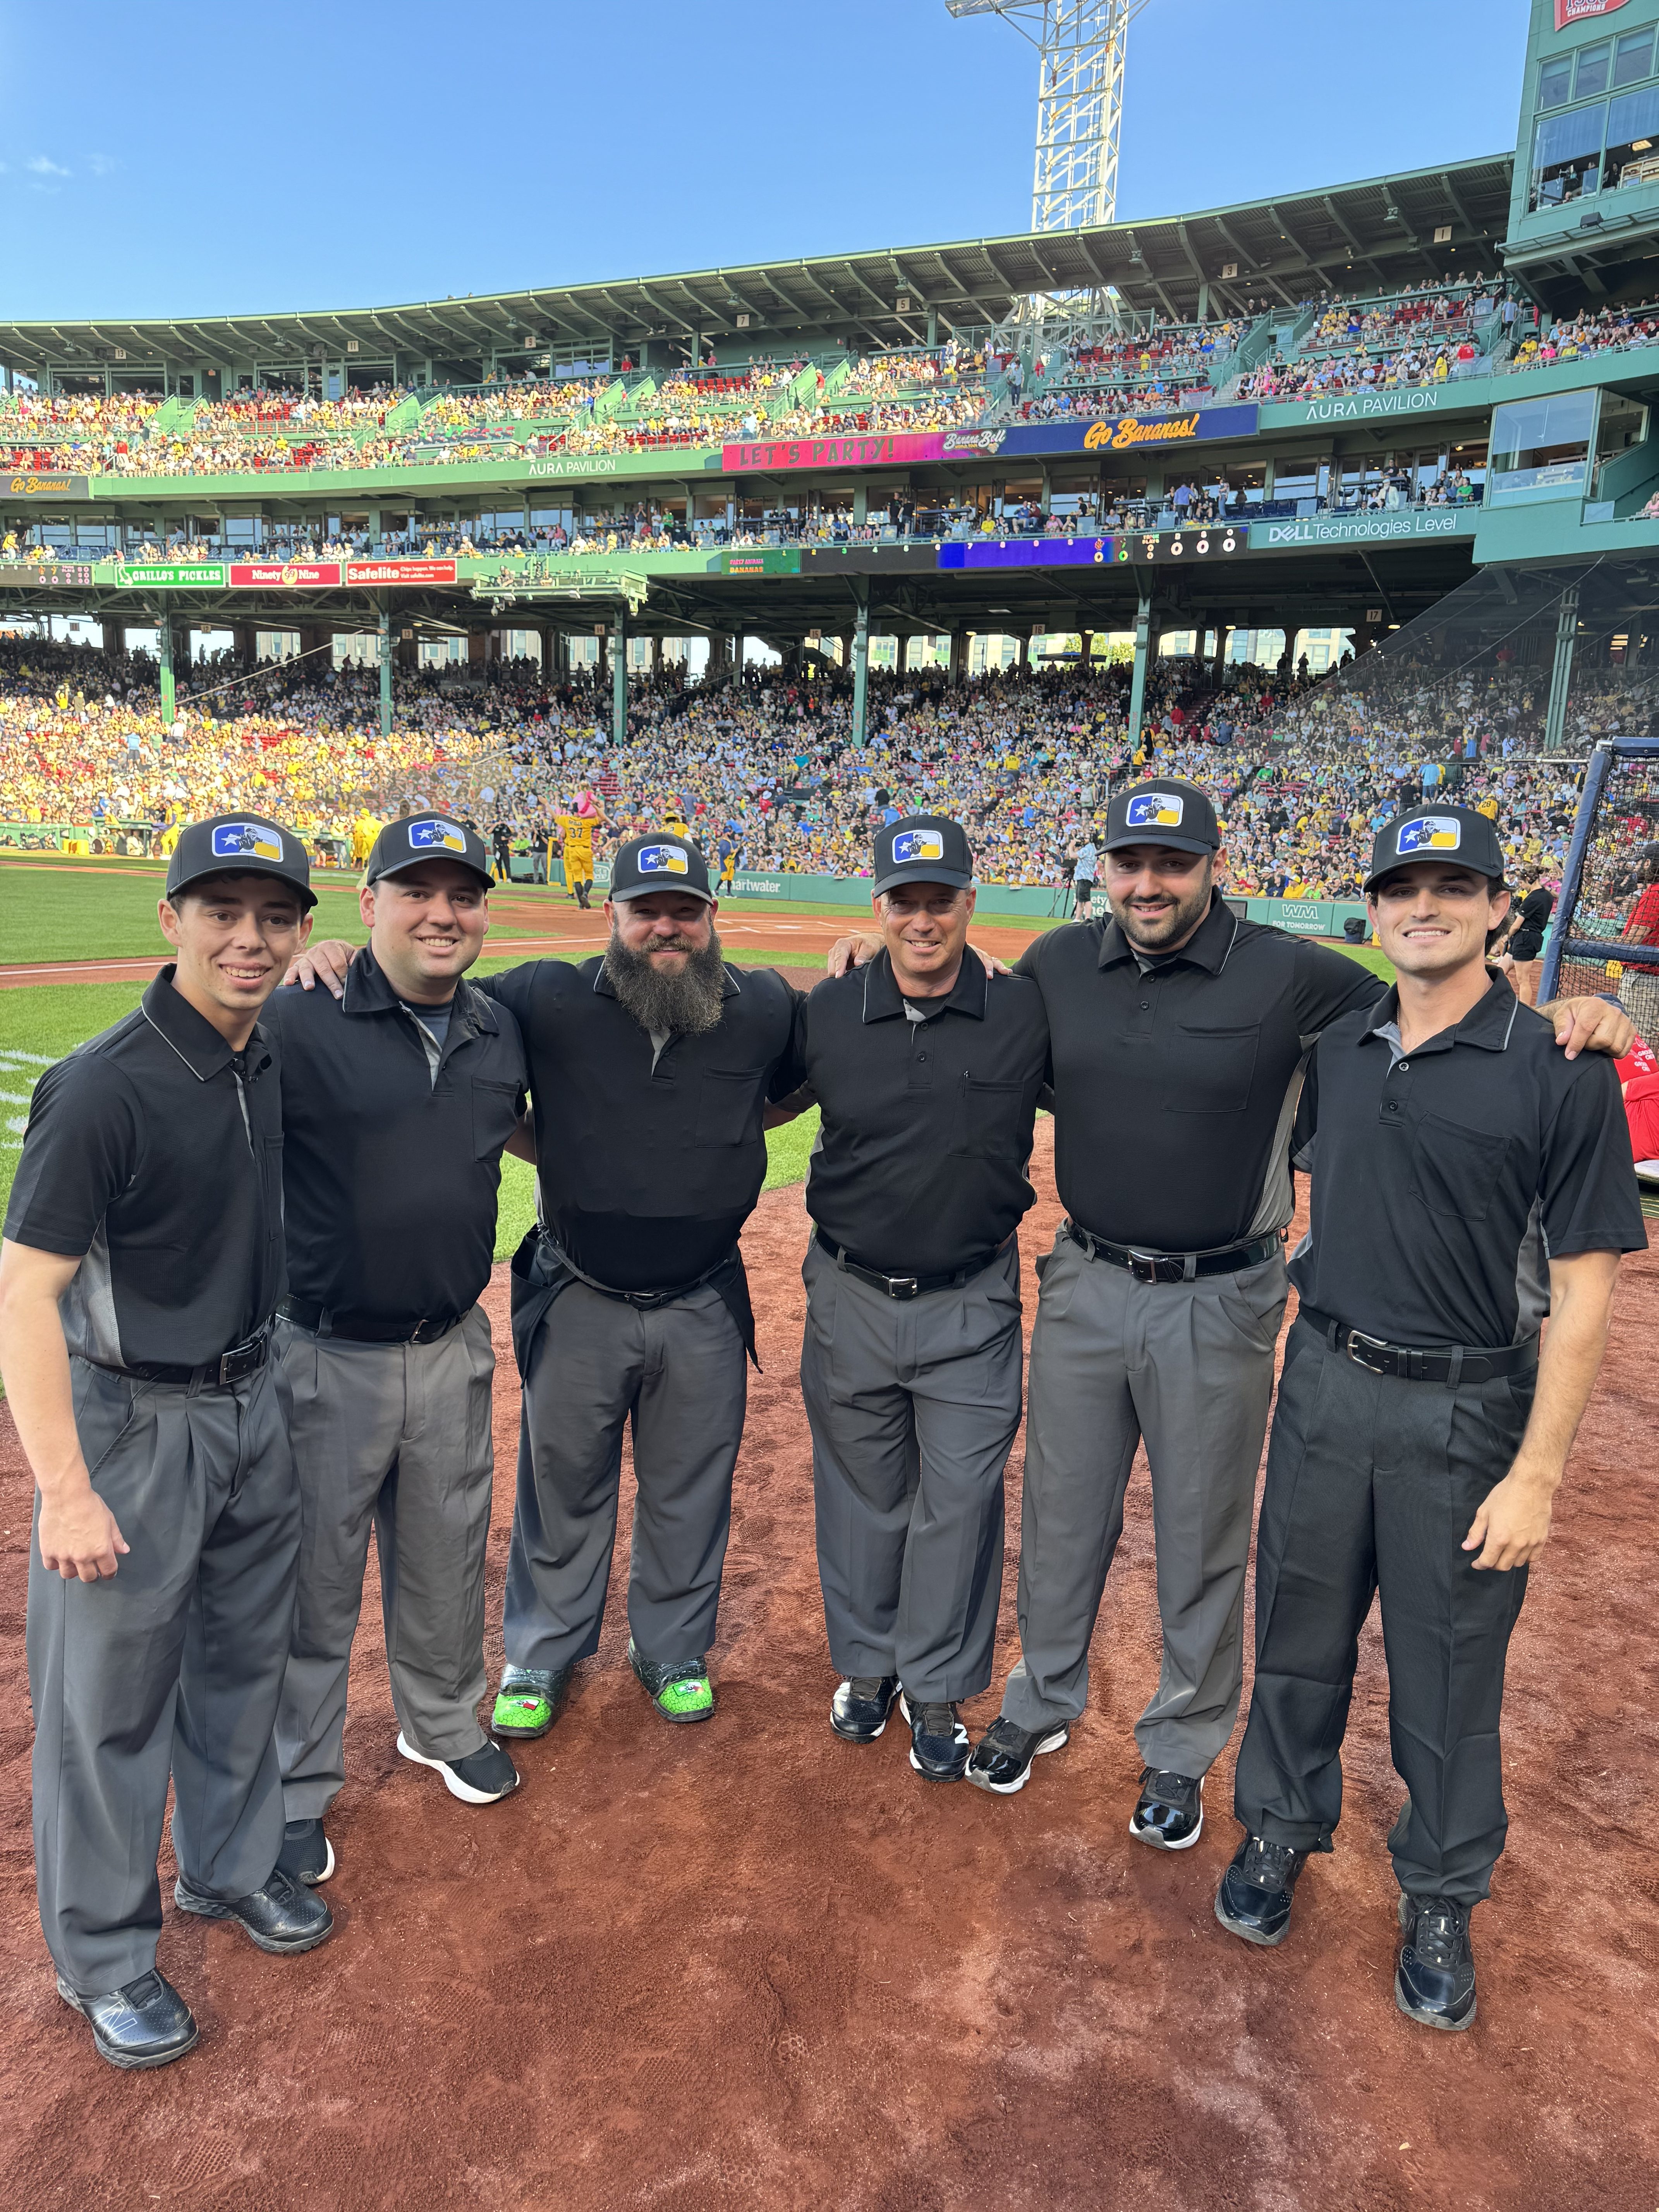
(321, 1322)
(243, 1359)
(1173, 1267)
(1446, 1363)
(908, 1286)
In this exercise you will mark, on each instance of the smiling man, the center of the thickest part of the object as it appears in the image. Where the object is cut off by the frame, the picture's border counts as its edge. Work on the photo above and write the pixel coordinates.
(142, 1257)
(398, 1099)
(926, 1070)
(1467, 1179)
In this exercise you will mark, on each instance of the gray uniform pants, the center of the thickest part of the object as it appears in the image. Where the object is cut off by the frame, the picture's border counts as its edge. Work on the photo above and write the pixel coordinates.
(1372, 1482)
(171, 1667)
(677, 1373)
(913, 1405)
(1189, 1367)
(395, 1437)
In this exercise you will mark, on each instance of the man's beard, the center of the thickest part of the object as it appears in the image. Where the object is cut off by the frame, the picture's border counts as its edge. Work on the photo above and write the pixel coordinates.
(1173, 922)
(687, 1004)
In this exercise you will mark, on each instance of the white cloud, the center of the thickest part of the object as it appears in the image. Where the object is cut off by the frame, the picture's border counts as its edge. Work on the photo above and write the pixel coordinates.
(101, 165)
(43, 166)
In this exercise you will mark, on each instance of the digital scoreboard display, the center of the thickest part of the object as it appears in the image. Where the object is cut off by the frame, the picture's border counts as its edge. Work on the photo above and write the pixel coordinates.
(1207, 542)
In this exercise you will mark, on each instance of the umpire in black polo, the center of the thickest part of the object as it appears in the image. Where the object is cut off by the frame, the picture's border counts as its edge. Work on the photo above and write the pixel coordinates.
(926, 1071)
(397, 1101)
(143, 1255)
(1467, 1179)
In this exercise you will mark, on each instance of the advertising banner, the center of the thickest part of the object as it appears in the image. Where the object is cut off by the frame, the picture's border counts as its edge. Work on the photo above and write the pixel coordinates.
(400, 572)
(1111, 434)
(1026, 553)
(33, 485)
(269, 575)
(1206, 541)
(1364, 529)
(782, 561)
(173, 575)
(771, 455)
(1579, 11)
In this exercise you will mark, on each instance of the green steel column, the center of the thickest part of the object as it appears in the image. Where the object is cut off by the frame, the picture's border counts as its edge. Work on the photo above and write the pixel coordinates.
(619, 676)
(385, 671)
(861, 671)
(1143, 654)
(164, 654)
(1566, 635)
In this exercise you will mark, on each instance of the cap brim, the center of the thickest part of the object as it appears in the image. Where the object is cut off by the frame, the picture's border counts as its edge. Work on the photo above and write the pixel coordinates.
(1153, 836)
(922, 871)
(420, 859)
(650, 891)
(243, 866)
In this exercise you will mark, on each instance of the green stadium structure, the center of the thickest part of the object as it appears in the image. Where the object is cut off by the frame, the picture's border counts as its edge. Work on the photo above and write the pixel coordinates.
(1336, 409)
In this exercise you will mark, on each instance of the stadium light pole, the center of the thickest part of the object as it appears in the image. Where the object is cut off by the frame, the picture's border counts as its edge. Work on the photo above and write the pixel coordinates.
(385, 668)
(619, 678)
(164, 658)
(860, 669)
(1143, 654)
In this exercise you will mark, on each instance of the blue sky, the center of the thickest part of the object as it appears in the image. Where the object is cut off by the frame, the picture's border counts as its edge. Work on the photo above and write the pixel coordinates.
(196, 160)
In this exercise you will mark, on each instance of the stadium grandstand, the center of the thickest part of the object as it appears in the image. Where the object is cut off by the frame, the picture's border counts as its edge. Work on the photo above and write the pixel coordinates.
(1328, 499)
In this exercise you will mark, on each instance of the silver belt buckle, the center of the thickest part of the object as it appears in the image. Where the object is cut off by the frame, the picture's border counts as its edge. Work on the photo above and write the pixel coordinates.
(903, 1286)
(1145, 1267)
(1357, 1337)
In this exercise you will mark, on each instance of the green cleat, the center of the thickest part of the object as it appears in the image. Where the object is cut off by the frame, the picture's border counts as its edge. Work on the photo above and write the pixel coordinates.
(682, 1692)
(527, 1703)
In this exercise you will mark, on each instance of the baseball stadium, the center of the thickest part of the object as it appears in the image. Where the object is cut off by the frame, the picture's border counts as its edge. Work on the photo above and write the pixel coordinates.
(809, 613)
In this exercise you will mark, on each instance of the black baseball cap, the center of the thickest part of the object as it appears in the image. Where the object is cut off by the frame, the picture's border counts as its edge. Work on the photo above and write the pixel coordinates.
(923, 848)
(660, 862)
(1461, 835)
(417, 837)
(239, 845)
(1165, 812)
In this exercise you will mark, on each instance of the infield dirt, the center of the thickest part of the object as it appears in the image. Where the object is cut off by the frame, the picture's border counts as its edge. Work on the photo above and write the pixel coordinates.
(747, 1966)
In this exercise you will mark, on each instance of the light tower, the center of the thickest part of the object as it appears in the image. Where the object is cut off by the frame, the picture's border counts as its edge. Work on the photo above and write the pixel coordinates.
(1080, 46)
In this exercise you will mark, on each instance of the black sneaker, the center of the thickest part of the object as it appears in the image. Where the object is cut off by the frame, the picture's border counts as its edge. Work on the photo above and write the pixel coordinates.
(938, 1741)
(1434, 1977)
(858, 1709)
(1256, 1891)
(144, 2023)
(307, 1855)
(1169, 1814)
(1002, 1760)
(282, 1916)
(482, 1777)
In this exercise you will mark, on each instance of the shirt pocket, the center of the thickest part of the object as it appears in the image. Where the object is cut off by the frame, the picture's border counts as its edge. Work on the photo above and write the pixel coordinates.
(729, 1105)
(495, 1116)
(1212, 1070)
(1455, 1170)
(991, 1120)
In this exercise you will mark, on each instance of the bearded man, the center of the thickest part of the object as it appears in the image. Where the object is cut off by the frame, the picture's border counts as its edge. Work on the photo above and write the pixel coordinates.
(651, 1070)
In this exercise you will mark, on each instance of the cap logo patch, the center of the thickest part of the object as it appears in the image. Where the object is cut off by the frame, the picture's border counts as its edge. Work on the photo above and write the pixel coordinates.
(424, 836)
(1431, 833)
(662, 860)
(917, 845)
(1155, 809)
(234, 841)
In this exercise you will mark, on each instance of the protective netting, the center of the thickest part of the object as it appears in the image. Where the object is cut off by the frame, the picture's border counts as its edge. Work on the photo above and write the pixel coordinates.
(1610, 931)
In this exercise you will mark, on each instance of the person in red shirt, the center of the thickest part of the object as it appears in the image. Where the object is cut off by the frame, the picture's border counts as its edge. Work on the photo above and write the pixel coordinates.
(1638, 1078)
(1642, 927)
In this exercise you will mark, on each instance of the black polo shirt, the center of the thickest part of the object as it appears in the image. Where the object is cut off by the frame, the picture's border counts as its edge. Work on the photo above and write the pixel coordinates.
(1444, 1179)
(157, 1153)
(1175, 1077)
(649, 1161)
(393, 1158)
(926, 1122)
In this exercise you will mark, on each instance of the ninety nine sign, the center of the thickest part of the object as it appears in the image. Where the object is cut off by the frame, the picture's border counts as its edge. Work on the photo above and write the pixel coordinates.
(773, 454)
(1579, 11)
(42, 487)
(267, 574)
(400, 572)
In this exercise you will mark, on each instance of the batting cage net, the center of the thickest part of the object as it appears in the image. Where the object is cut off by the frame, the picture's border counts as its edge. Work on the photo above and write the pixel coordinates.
(1605, 938)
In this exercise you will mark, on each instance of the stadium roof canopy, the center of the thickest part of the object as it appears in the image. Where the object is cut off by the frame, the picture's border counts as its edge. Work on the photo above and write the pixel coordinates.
(1378, 235)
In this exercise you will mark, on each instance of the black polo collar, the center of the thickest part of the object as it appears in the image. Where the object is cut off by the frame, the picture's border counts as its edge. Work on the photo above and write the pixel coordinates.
(369, 990)
(1207, 947)
(883, 997)
(191, 1036)
(1488, 1023)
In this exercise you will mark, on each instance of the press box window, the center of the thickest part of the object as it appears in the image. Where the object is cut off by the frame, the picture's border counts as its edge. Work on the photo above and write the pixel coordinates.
(1632, 156)
(1541, 447)
(1593, 66)
(1555, 81)
(1633, 58)
(1623, 424)
(1566, 155)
